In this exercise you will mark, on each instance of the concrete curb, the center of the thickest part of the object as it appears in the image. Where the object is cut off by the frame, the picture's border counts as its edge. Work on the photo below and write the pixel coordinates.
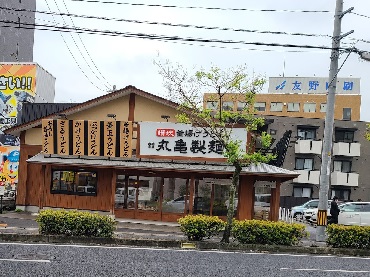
(203, 245)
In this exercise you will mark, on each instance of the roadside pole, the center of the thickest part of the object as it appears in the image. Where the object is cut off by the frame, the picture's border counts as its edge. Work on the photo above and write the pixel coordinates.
(329, 122)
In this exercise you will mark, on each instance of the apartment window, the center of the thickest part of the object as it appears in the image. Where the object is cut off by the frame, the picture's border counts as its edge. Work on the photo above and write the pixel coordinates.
(306, 133)
(323, 107)
(342, 166)
(302, 192)
(304, 164)
(240, 106)
(293, 107)
(309, 107)
(347, 113)
(344, 136)
(260, 106)
(342, 194)
(74, 182)
(212, 105)
(228, 106)
(276, 107)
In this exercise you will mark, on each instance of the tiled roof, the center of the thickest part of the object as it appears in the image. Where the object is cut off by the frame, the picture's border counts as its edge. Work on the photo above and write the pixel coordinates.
(33, 111)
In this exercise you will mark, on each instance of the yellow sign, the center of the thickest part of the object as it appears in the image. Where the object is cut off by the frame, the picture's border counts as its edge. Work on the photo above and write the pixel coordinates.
(322, 217)
(17, 84)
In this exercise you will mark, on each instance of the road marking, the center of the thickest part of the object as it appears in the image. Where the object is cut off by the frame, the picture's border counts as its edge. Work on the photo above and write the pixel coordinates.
(324, 270)
(20, 260)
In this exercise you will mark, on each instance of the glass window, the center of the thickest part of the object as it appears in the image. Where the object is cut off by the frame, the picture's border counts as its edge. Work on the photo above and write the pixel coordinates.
(228, 106)
(212, 105)
(74, 182)
(352, 207)
(241, 106)
(347, 113)
(293, 107)
(323, 107)
(342, 166)
(309, 107)
(276, 107)
(302, 192)
(342, 194)
(306, 133)
(260, 106)
(304, 164)
(175, 195)
(344, 136)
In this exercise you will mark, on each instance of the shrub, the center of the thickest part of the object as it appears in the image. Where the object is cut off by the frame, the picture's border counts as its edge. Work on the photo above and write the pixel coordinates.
(198, 227)
(75, 223)
(268, 232)
(18, 210)
(348, 236)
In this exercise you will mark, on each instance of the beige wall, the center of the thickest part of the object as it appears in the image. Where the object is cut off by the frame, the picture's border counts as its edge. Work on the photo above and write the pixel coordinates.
(148, 110)
(33, 136)
(119, 107)
(341, 101)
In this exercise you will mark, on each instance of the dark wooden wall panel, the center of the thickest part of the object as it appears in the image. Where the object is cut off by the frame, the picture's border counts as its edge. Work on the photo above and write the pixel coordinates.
(100, 202)
(28, 177)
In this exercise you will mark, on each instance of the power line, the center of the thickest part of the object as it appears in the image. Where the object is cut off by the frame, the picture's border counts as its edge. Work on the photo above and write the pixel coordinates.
(69, 50)
(360, 15)
(78, 48)
(159, 37)
(205, 8)
(88, 53)
(170, 24)
(211, 46)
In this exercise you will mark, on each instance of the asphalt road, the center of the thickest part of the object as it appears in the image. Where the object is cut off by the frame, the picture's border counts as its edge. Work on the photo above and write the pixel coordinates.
(19, 259)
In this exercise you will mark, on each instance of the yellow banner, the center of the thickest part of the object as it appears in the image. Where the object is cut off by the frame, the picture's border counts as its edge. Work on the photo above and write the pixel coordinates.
(17, 84)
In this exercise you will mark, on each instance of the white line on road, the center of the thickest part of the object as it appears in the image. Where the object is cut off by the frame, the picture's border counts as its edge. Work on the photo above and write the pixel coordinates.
(32, 261)
(324, 270)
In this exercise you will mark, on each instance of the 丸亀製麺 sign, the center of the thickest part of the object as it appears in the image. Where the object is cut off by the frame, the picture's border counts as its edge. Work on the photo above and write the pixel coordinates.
(183, 140)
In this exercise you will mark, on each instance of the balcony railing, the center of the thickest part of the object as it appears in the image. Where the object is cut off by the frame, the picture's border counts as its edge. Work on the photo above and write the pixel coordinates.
(351, 149)
(344, 179)
(303, 146)
(308, 177)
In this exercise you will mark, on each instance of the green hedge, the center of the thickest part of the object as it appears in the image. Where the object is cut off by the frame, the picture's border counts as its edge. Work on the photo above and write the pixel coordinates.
(348, 236)
(198, 227)
(268, 232)
(75, 223)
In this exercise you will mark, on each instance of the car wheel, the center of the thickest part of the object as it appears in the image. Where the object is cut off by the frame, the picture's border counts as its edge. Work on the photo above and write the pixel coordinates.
(298, 216)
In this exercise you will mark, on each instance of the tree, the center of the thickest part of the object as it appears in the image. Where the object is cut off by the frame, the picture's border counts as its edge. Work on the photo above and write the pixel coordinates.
(187, 90)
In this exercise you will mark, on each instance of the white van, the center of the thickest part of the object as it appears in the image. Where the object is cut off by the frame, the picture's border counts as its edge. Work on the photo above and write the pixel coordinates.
(355, 213)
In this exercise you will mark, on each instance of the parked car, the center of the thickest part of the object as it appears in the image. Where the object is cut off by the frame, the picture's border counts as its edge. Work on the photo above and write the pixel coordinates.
(297, 211)
(311, 214)
(355, 213)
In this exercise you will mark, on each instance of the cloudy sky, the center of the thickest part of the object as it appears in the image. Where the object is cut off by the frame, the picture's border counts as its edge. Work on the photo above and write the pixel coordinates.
(121, 61)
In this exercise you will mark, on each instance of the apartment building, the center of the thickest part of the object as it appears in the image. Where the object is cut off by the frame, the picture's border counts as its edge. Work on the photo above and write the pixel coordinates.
(298, 105)
(298, 97)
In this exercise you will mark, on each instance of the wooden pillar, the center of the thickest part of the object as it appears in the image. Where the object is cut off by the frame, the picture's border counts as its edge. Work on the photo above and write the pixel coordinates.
(42, 187)
(275, 202)
(191, 194)
(113, 190)
(246, 198)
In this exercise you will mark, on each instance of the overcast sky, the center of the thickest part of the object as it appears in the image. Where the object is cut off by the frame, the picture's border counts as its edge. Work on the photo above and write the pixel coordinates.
(123, 61)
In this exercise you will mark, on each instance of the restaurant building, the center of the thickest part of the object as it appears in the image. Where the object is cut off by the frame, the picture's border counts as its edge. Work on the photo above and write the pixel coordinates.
(124, 154)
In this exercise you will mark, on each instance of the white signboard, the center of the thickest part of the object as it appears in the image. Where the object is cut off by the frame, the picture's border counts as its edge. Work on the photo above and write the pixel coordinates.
(312, 85)
(182, 140)
(2, 190)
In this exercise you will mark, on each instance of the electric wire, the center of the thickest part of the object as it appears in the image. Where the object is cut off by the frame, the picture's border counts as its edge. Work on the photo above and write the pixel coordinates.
(88, 53)
(205, 8)
(159, 37)
(168, 24)
(74, 58)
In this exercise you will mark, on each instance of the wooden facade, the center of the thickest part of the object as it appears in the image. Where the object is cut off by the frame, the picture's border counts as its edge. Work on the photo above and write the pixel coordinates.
(35, 177)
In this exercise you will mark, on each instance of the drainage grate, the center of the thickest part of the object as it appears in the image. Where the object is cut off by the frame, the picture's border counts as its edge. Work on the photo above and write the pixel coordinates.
(34, 256)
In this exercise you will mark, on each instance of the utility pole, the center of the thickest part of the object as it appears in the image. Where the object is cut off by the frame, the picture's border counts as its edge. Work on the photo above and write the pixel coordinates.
(329, 122)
